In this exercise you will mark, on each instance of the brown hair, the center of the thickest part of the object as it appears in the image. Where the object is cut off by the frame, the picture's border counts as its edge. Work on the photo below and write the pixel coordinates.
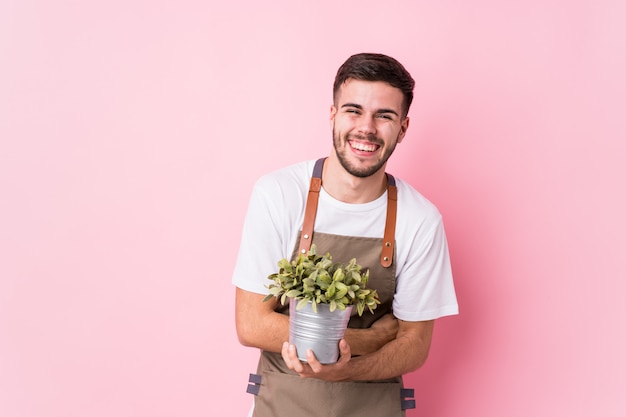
(377, 67)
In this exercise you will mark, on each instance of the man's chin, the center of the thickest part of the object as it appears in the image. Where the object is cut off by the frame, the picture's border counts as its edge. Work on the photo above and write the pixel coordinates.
(361, 171)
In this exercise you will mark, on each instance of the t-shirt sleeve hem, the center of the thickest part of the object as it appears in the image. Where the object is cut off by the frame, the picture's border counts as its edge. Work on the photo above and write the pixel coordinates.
(427, 315)
(250, 287)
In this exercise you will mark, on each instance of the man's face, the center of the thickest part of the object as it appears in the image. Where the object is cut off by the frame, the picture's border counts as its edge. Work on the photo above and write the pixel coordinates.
(367, 124)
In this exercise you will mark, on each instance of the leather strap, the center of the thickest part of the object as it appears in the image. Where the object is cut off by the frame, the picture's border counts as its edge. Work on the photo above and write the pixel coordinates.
(306, 238)
(310, 210)
(386, 257)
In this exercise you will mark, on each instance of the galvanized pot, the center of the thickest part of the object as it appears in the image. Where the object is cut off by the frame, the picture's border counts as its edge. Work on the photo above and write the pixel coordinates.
(319, 331)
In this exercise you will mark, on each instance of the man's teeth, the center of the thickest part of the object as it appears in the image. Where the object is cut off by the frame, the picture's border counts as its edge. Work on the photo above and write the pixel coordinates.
(363, 147)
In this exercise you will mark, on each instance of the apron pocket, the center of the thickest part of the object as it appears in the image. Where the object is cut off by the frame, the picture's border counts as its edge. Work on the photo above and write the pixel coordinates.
(289, 395)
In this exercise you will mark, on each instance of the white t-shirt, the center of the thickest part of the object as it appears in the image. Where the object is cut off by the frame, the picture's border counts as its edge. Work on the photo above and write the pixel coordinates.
(424, 286)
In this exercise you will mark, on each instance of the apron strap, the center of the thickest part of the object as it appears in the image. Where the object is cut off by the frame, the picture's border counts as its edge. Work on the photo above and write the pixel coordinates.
(310, 211)
(386, 257)
(311, 207)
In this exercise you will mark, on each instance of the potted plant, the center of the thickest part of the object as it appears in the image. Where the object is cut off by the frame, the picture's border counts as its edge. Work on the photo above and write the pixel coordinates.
(322, 295)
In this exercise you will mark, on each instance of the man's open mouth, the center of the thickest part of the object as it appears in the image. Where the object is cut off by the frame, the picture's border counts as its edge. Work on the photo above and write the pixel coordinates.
(364, 146)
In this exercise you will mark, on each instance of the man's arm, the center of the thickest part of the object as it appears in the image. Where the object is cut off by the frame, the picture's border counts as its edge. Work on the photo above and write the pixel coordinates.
(259, 325)
(406, 353)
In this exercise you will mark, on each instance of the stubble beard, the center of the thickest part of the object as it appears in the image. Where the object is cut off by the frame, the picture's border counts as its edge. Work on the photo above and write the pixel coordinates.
(360, 172)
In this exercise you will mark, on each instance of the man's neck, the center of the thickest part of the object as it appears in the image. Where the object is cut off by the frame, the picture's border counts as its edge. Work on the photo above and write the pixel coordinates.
(345, 187)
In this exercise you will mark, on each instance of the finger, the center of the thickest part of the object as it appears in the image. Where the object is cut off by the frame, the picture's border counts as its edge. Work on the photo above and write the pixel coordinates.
(284, 352)
(288, 357)
(345, 353)
(387, 317)
(292, 354)
(315, 365)
(390, 319)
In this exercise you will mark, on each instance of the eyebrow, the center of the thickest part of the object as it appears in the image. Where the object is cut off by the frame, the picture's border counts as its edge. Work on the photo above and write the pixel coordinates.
(379, 111)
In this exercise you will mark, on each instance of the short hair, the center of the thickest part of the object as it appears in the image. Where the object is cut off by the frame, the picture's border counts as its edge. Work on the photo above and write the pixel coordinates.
(377, 67)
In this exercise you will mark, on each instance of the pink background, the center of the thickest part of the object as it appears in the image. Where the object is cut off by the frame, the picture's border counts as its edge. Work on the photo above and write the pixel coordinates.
(131, 133)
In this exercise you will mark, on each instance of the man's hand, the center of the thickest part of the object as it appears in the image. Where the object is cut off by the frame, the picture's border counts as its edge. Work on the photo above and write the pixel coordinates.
(387, 326)
(314, 369)
(381, 332)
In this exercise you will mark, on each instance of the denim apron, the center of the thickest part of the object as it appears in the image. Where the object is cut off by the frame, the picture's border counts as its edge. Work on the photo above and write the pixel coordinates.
(282, 392)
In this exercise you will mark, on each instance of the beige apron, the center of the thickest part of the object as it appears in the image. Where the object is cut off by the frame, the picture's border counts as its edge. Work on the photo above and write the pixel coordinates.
(280, 391)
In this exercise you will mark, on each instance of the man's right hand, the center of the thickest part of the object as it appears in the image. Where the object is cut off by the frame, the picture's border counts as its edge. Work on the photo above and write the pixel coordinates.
(382, 331)
(387, 326)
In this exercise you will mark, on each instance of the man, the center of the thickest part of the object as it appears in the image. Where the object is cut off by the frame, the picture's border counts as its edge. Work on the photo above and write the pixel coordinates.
(372, 95)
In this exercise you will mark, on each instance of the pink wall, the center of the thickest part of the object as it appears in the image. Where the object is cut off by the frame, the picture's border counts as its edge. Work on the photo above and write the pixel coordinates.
(131, 133)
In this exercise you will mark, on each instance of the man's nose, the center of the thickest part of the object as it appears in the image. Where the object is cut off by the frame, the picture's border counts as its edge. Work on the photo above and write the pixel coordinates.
(367, 125)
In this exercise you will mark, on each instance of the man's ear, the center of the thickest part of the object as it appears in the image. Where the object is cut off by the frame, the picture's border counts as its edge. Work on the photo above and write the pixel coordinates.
(333, 111)
(404, 126)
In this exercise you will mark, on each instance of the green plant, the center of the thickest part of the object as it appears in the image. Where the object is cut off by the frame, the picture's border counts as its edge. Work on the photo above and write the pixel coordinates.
(318, 279)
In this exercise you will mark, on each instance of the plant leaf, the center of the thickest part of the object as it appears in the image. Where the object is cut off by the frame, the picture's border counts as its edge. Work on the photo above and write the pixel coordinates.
(330, 292)
(293, 293)
(359, 308)
(302, 303)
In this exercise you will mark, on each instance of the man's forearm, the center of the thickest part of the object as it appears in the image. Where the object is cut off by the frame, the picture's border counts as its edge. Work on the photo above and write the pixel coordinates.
(258, 325)
(403, 355)
(272, 330)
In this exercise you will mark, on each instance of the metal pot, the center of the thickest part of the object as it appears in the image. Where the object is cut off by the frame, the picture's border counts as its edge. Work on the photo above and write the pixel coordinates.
(319, 331)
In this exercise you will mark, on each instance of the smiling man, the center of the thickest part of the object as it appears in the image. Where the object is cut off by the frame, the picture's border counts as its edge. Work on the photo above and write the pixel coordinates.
(362, 212)
(361, 122)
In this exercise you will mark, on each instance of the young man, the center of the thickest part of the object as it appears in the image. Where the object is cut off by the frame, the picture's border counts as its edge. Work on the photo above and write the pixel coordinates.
(368, 118)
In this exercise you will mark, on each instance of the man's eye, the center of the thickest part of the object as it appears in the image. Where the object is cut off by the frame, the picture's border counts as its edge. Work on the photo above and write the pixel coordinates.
(385, 116)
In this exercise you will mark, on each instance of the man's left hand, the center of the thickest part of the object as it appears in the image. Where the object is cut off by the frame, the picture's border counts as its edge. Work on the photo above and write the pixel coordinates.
(314, 369)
